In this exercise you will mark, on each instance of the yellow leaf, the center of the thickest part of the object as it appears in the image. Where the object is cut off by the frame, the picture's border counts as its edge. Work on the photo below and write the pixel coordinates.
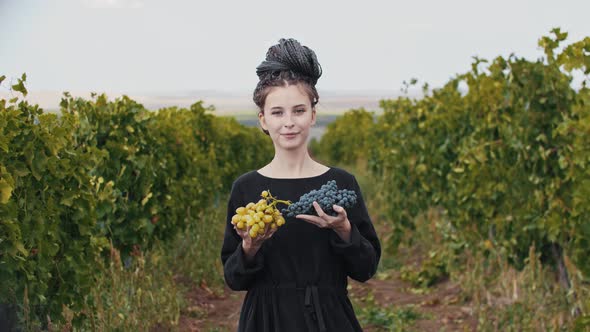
(20, 247)
(421, 168)
(146, 199)
(458, 169)
(5, 191)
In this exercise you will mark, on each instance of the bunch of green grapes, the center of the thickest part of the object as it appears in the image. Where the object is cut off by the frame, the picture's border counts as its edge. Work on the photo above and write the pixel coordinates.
(258, 217)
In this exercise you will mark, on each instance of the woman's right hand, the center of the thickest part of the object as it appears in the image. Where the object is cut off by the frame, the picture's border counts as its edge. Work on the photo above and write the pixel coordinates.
(252, 245)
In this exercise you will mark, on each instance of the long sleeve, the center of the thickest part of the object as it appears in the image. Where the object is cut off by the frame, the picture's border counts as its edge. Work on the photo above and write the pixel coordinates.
(361, 255)
(238, 273)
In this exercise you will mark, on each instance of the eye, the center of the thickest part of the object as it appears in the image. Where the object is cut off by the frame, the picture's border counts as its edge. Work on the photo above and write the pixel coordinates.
(300, 110)
(276, 112)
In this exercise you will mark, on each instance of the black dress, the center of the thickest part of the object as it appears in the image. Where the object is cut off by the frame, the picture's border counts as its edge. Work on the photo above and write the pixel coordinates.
(297, 280)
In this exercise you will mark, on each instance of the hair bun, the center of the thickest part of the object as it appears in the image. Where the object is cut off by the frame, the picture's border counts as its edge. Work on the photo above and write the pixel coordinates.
(289, 54)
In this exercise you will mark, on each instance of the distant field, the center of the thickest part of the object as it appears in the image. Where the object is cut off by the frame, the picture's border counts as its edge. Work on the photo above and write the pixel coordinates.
(252, 119)
(316, 131)
(239, 105)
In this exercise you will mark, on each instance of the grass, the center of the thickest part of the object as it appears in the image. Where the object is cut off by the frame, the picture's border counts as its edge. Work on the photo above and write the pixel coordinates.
(528, 300)
(148, 292)
(383, 318)
(195, 253)
(125, 298)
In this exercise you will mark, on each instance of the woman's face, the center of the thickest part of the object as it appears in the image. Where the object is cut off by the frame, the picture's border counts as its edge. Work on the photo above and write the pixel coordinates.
(287, 116)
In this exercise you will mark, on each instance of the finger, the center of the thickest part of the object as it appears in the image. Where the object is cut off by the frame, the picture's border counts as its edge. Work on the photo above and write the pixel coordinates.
(269, 233)
(309, 217)
(312, 220)
(319, 210)
(339, 209)
(261, 237)
(241, 232)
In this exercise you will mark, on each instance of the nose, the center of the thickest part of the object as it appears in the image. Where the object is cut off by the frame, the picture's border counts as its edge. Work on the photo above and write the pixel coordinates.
(289, 120)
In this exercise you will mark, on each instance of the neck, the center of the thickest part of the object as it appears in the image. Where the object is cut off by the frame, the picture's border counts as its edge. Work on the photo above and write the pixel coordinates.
(293, 163)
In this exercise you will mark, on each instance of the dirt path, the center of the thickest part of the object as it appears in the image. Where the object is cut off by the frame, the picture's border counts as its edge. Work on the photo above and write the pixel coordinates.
(439, 309)
(207, 311)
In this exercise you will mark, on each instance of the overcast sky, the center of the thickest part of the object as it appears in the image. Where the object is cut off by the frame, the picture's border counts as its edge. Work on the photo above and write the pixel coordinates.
(151, 46)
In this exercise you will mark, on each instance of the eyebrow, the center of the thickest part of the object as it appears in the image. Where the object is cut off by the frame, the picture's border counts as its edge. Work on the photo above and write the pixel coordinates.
(280, 108)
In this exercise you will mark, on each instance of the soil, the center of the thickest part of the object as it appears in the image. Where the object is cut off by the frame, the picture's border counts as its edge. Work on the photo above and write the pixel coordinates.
(215, 312)
(440, 309)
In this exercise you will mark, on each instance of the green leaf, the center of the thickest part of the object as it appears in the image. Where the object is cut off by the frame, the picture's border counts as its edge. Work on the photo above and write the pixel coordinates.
(563, 163)
(83, 229)
(20, 87)
(4, 143)
(19, 169)
(2, 78)
(38, 165)
(69, 197)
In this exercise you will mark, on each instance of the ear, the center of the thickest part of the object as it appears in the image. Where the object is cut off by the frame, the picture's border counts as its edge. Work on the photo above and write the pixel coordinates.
(261, 120)
(313, 116)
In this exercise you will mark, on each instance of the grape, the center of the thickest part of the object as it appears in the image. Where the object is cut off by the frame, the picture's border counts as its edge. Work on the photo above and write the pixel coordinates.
(326, 196)
(257, 217)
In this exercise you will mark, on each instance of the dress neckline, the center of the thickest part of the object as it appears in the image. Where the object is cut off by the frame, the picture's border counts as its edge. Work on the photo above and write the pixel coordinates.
(305, 178)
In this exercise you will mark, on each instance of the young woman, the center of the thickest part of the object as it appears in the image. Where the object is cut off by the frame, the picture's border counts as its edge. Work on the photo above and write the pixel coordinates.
(296, 275)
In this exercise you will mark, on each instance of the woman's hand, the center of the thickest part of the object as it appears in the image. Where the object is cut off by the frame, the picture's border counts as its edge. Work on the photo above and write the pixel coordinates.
(340, 223)
(251, 245)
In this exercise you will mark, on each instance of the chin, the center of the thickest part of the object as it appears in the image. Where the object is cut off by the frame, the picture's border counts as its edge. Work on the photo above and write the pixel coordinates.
(284, 144)
(290, 145)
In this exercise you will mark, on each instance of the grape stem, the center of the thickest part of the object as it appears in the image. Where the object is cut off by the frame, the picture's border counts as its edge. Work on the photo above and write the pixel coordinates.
(280, 201)
(275, 201)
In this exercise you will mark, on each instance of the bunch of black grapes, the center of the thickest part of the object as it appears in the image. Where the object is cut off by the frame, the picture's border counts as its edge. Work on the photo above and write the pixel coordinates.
(326, 196)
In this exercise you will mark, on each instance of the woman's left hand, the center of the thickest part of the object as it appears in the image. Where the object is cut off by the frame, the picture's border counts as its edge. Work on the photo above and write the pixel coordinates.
(340, 223)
